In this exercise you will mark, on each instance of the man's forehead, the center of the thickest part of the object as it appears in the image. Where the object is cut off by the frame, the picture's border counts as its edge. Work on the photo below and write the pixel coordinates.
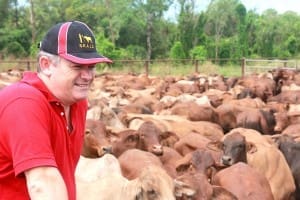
(73, 64)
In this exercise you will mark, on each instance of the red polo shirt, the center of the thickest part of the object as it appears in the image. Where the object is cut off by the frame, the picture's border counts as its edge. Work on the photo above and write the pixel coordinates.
(33, 132)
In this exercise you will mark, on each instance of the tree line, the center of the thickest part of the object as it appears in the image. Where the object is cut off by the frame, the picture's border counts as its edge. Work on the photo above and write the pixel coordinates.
(138, 29)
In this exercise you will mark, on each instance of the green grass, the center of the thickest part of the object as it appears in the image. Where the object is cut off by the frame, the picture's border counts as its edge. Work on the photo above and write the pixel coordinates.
(157, 68)
(230, 71)
(168, 68)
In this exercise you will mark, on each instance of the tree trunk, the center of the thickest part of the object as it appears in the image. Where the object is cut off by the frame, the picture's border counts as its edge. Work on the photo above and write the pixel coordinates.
(32, 22)
(149, 35)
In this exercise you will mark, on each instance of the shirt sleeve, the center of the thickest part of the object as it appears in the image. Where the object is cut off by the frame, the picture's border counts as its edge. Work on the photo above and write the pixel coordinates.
(27, 131)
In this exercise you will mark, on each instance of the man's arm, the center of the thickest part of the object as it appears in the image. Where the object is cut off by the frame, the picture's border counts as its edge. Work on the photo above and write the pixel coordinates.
(45, 183)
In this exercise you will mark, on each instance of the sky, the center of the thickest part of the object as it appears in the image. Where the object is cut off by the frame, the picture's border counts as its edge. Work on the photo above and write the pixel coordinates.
(259, 6)
(280, 6)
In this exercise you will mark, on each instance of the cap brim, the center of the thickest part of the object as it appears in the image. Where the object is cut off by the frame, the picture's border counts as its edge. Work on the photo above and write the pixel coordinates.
(86, 58)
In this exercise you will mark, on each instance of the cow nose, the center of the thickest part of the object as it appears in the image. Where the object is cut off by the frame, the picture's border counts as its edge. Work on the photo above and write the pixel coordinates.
(157, 150)
(226, 160)
(107, 149)
(277, 129)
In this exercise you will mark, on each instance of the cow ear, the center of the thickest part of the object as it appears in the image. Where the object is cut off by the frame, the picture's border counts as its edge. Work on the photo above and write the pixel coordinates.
(215, 145)
(276, 139)
(139, 194)
(287, 106)
(251, 147)
(182, 168)
(133, 137)
(182, 189)
(112, 136)
(87, 131)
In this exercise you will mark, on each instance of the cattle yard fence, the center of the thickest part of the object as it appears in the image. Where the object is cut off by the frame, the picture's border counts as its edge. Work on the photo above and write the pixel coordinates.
(171, 66)
(251, 66)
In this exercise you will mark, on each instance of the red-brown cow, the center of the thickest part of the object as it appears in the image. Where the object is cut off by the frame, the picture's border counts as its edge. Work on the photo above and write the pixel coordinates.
(262, 87)
(287, 96)
(284, 119)
(198, 161)
(291, 150)
(169, 159)
(232, 116)
(195, 171)
(177, 124)
(194, 111)
(133, 161)
(95, 143)
(145, 138)
(247, 145)
(193, 141)
(244, 182)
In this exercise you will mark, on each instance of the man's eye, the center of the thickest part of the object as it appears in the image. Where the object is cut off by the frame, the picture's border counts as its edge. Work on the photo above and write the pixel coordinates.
(92, 67)
(80, 67)
(77, 67)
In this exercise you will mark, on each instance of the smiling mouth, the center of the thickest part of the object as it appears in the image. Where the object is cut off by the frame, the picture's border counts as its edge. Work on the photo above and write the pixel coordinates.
(82, 85)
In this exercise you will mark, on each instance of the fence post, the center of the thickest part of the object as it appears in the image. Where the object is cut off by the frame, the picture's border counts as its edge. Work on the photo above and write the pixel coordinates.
(147, 67)
(243, 64)
(28, 65)
(197, 66)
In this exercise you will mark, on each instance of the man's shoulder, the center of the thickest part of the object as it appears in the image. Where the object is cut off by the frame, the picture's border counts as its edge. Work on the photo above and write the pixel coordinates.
(19, 90)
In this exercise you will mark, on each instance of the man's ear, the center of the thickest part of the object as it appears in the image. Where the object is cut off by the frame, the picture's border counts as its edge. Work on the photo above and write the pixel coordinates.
(45, 63)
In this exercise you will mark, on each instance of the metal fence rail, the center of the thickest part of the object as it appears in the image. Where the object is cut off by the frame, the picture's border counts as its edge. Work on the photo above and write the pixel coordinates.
(168, 66)
(260, 66)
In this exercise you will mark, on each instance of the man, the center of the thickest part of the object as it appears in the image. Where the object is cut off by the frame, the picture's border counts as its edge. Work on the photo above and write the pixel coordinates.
(42, 117)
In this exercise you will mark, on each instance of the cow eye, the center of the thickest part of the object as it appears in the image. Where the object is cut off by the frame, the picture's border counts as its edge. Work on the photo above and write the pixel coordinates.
(131, 138)
(223, 147)
(142, 135)
(209, 171)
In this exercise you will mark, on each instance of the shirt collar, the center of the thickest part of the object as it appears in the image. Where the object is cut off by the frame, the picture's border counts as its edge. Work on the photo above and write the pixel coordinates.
(32, 79)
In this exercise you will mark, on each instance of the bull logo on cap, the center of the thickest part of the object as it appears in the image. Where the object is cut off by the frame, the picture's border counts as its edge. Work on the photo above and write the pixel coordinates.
(85, 41)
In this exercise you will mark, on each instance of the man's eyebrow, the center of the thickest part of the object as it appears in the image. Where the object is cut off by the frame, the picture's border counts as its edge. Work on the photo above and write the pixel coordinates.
(80, 65)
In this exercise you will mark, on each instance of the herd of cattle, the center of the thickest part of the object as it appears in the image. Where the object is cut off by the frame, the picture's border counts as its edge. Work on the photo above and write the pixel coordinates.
(191, 137)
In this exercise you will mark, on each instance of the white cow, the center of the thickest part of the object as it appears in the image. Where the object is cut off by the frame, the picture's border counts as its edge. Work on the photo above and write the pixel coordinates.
(101, 179)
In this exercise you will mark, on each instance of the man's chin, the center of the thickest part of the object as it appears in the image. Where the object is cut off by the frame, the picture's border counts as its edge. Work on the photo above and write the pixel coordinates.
(80, 95)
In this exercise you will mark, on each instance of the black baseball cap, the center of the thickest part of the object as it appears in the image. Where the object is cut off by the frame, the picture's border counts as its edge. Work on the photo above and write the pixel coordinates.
(73, 41)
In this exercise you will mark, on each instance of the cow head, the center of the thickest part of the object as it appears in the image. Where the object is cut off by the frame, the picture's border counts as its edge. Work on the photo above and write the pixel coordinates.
(193, 186)
(154, 183)
(123, 140)
(234, 147)
(287, 145)
(200, 161)
(149, 135)
(95, 143)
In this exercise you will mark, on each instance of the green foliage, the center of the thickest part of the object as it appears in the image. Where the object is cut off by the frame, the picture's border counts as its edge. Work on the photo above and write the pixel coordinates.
(292, 45)
(199, 53)
(16, 49)
(225, 50)
(34, 49)
(105, 47)
(14, 42)
(135, 52)
(177, 51)
(4, 9)
(188, 25)
(137, 29)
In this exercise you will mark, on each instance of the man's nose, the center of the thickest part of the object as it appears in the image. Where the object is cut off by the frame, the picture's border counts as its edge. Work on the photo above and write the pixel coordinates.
(87, 73)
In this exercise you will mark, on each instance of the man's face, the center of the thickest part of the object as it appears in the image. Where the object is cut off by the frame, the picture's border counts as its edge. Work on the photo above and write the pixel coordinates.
(70, 81)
